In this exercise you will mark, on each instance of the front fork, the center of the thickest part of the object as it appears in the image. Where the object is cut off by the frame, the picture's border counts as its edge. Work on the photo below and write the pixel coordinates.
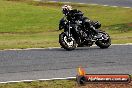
(69, 30)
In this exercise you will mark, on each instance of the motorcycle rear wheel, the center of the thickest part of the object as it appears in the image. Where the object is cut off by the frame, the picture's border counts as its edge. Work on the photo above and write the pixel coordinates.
(65, 43)
(103, 44)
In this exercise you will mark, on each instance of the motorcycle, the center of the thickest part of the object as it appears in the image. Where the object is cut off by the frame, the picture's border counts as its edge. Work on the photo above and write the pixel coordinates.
(77, 34)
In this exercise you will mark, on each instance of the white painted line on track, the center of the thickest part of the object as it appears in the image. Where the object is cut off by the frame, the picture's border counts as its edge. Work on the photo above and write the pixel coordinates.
(38, 80)
(105, 5)
(52, 1)
(30, 49)
(51, 48)
(93, 4)
(129, 43)
(127, 7)
(66, 2)
(81, 3)
(114, 6)
(37, 0)
(123, 44)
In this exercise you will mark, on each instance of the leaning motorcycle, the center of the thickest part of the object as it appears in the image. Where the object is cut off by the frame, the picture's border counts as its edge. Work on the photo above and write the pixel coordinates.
(80, 34)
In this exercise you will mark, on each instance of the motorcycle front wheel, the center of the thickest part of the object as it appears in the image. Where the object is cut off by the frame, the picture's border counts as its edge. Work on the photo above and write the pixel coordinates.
(67, 43)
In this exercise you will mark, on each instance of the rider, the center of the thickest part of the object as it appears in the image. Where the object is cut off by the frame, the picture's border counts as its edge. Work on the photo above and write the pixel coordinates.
(74, 14)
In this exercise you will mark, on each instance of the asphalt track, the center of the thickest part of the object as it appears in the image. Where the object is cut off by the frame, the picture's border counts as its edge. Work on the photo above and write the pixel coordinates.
(36, 64)
(122, 3)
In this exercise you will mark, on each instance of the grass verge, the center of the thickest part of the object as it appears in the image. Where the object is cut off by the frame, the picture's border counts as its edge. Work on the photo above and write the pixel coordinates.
(63, 84)
(44, 84)
(28, 24)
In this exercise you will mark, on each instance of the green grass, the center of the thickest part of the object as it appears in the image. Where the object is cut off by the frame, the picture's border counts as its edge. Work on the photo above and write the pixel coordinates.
(19, 17)
(28, 40)
(64, 84)
(32, 24)
(44, 84)
(120, 33)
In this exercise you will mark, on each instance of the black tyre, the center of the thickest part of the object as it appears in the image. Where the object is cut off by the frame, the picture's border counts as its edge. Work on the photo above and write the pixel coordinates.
(105, 43)
(65, 43)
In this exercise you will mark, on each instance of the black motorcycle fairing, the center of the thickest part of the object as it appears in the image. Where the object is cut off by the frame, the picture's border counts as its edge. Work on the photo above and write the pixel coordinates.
(86, 22)
(80, 30)
(62, 23)
(96, 24)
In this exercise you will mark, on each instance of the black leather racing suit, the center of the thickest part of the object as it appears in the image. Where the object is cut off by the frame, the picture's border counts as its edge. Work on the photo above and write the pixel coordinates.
(74, 15)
